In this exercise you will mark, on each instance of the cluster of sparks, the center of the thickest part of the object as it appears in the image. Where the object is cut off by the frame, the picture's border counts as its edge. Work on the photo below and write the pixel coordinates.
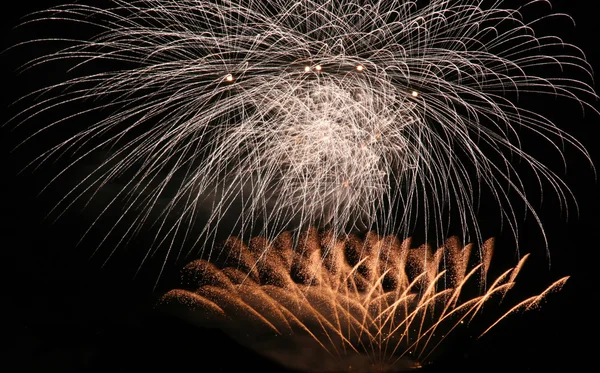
(332, 304)
(353, 115)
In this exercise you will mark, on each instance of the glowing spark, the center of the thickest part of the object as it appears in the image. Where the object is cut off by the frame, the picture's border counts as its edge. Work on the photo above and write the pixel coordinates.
(415, 94)
(360, 67)
(229, 78)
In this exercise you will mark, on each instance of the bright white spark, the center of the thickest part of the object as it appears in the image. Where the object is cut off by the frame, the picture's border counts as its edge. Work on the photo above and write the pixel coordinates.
(281, 146)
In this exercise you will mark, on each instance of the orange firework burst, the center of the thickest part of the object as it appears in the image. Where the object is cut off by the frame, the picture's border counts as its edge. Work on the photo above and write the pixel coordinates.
(326, 304)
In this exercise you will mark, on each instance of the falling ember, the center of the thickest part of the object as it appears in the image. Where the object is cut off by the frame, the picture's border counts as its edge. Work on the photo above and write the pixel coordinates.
(326, 304)
(229, 78)
(415, 94)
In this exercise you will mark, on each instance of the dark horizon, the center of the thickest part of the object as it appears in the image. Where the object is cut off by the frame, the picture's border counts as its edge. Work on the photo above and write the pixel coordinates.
(68, 312)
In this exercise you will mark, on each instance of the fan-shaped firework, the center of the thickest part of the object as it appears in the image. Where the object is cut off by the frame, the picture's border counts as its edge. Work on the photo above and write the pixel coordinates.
(333, 305)
(288, 113)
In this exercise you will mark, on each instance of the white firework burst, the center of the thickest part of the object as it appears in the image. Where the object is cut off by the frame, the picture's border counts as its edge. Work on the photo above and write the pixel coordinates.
(347, 114)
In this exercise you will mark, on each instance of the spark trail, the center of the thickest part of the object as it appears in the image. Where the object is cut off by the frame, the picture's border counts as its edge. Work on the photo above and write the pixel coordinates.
(254, 117)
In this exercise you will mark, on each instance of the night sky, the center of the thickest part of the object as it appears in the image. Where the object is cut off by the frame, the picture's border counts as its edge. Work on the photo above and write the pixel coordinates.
(67, 311)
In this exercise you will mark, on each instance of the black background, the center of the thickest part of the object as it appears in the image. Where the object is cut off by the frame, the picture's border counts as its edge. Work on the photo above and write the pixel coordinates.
(69, 313)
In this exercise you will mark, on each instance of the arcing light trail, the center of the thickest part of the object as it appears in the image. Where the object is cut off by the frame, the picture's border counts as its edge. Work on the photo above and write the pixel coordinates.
(353, 115)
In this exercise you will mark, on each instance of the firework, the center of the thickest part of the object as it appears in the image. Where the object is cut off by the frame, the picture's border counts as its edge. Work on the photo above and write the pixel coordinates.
(342, 304)
(254, 117)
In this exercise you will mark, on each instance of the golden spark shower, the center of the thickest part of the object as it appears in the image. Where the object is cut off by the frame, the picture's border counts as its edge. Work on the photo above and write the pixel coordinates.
(349, 304)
